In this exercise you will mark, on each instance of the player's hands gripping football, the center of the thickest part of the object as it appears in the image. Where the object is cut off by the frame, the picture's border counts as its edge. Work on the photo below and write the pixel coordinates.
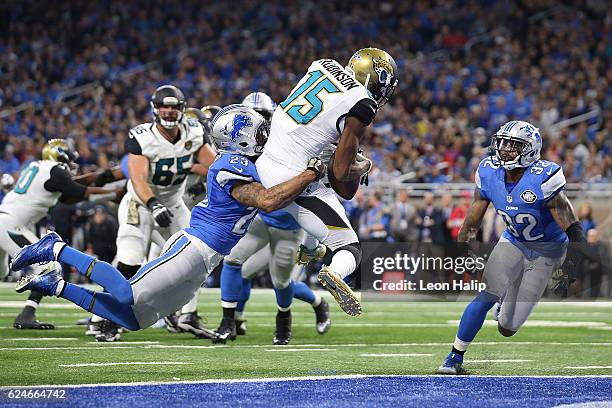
(318, 166)
(161, 214)
(364, 166)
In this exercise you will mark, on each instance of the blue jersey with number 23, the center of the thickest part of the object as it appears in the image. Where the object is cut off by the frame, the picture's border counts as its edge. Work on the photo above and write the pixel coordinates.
(219, 220)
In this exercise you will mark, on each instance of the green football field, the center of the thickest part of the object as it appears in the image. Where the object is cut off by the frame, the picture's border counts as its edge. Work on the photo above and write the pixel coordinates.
(406, 338)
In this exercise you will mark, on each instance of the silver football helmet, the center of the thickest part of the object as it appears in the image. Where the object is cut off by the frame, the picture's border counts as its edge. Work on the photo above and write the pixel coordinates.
(261, 103)
(6, 182)
(517, 144)
(239, 129)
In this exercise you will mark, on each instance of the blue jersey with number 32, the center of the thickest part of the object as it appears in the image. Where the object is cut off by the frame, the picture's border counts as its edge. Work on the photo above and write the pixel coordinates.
(219, 220)
(529, 223)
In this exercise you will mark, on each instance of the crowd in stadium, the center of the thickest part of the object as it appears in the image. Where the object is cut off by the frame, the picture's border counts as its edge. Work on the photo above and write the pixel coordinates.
(466, 67)
(86, 70)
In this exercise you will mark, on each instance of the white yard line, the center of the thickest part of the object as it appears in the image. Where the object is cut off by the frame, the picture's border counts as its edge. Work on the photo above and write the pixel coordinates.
(125, 363)
(589, 367)
(41, 339)
(396, 355)
(545, 323)
(499, 361)
(294, 350)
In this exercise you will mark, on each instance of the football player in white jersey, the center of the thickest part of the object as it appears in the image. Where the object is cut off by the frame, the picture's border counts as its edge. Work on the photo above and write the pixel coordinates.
(330, 104)
(270, 243)
(160, 156)
(41, 185)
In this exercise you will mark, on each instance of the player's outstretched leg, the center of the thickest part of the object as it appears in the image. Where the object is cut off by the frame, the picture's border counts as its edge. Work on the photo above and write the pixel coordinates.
(473, 317)
(344, 262)
(115, 305)
(302, 292)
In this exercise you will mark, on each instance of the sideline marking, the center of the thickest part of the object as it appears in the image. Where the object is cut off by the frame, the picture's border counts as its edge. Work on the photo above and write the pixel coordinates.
(396, 355)
(125, 363)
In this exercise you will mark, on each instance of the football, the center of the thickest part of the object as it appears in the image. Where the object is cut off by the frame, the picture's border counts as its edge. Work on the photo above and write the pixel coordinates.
(345, 189)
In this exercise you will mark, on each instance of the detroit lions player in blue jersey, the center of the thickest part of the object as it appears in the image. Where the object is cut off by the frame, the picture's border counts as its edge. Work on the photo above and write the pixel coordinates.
(527, 193)
(272, 243)
(165, 284)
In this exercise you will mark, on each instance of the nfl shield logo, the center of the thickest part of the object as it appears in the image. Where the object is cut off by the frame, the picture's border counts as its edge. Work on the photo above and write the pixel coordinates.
(509, 198)
(188, 145)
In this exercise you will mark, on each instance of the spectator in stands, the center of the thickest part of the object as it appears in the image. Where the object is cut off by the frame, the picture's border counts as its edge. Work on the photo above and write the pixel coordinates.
(9, 163)
(455, 220)
(403, 215)
(431, 222)
(585, 215)
(599, 266)
(100, 235)
(375, 221)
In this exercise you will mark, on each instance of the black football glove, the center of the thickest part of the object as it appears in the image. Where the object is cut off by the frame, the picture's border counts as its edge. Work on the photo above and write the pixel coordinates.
(318, 166)
(160, 212)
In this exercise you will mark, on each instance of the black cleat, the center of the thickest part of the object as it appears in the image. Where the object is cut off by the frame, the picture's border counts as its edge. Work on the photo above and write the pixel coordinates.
(282, 335)
(192, 323)
(241, 328)
(94, 328)
(27, 320)
(322, 315)
(172, 323)
(109, 331)
(226, 331)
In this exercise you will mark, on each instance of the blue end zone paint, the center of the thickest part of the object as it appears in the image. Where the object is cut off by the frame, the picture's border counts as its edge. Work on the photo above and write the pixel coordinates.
(354, 392)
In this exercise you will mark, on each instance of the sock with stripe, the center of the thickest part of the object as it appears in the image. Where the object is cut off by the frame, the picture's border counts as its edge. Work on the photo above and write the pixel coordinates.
(101, 304)
(103, 273)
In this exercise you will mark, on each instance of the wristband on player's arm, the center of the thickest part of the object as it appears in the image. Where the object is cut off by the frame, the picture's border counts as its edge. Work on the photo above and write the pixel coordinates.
(151, 202)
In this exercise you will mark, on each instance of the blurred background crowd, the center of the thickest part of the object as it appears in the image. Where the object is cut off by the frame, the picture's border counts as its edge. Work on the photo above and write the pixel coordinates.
(85, 70)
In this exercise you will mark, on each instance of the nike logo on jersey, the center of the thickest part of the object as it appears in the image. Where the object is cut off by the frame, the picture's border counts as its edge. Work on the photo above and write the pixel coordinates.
(549, 172)
(237, 169)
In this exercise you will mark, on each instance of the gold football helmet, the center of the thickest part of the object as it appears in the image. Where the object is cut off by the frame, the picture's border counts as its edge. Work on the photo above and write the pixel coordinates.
(203, 115)
(376, 70)
(59, 150)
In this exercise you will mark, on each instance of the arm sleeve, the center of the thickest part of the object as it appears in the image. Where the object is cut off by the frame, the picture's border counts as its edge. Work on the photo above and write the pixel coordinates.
(132, 146)
(61, 181)
(364, 110)
(553, 183)
(478, 181)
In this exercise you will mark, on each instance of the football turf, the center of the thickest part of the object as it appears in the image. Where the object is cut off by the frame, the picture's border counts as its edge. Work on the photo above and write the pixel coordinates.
(409, 338)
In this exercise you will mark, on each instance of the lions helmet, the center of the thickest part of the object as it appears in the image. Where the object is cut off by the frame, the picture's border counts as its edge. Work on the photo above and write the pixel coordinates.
(376, 70)
(61, 151)
(168, 96)
(239, 129)
(6, 182)
(261, 103)
(517, 144)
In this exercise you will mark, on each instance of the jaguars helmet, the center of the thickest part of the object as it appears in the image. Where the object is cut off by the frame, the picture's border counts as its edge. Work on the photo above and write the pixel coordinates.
(517, 144)
(376, 70)
(203, 115)
(61, 151)
(239, 129)
(261, 103)
(6, 182)
(168, 95)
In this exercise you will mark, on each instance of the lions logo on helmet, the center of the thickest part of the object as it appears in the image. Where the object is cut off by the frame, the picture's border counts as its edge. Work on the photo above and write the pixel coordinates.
(168, 96)
(239, 129)
(261, 103)
(376, 70)
(517, 144)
